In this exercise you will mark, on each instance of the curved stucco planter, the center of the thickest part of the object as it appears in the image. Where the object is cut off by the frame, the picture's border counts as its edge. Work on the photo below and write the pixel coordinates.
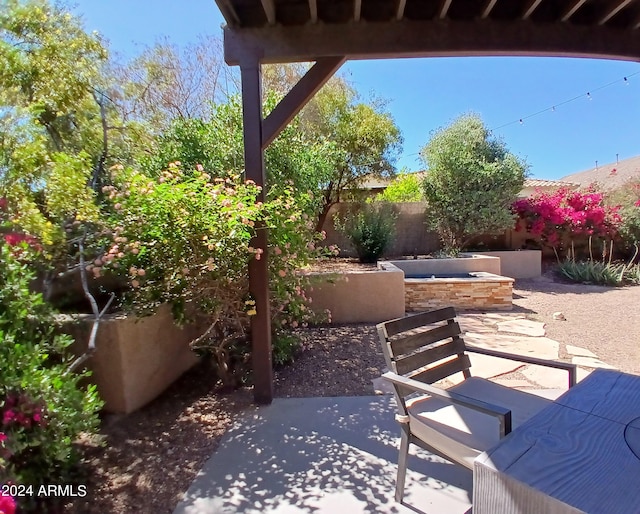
(136, 359)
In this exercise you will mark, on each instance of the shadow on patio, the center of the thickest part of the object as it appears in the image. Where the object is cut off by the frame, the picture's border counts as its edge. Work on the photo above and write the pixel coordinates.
(322, 455)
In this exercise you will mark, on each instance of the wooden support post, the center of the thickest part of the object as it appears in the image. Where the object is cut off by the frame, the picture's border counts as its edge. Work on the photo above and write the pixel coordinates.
(251, 76)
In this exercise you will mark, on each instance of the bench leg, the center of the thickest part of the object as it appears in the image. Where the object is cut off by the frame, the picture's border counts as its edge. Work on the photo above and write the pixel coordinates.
(402, 462)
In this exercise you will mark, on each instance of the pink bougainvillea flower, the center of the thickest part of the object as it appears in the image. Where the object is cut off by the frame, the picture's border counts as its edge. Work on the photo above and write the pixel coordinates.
(7, 504)
(8, 417)
(3, 437)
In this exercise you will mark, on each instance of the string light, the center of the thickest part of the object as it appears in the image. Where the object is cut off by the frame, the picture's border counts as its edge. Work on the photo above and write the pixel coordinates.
(624, 80)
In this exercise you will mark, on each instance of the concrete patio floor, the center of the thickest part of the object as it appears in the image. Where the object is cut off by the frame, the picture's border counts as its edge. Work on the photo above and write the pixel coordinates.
(322, 455)
(328, 455)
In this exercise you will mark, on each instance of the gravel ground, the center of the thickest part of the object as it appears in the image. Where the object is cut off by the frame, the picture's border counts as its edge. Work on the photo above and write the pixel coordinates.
(604, 320)
(151, 456)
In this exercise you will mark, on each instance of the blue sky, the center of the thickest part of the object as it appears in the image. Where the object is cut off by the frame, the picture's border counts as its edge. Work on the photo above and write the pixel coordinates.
(425, 94)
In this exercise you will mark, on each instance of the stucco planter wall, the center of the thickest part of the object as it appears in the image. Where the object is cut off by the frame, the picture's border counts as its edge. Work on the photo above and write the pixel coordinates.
(519, 263)
(359, 297)
(136, 359)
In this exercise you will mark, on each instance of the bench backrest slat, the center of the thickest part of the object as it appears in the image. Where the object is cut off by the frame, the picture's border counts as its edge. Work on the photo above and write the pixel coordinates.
(427, 347)
(429, 356)
(411, 342)
(399, 325)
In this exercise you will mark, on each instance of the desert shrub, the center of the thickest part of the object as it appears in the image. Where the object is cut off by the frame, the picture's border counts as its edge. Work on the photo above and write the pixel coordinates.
(43, 407)
(602, 272)
(593, 272)
(369, 229)
(185, 239)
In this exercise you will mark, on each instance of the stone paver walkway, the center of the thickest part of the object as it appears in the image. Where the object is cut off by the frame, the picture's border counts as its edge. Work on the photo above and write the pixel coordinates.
(514, 333)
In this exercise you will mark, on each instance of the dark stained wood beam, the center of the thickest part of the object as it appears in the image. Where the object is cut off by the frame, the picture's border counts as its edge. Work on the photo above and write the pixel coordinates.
(298, 97)
(533, 5)
(636, 23)
(357, 9)
(229, 13)
(444, 8)
(435, 38)
(251, 76)
(400, 9)
(572, 9)
(488, 7)
(313, 11)
(270, 10)
(617, 7)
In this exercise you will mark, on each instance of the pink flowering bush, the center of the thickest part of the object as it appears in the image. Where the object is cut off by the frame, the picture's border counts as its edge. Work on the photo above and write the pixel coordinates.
(43, 408)
(185, 239)
(7, 502)
(564, 217)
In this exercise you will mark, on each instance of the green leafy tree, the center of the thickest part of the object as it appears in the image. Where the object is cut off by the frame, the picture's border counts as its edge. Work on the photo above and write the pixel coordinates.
(53, 119)
(167, 83)
(293, 159)
(627, 200)
(471, 182)
(362, 141)
(406, 187)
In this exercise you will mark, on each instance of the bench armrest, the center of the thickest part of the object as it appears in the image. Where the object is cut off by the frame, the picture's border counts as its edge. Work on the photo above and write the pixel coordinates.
(503, 414)
(567, 366)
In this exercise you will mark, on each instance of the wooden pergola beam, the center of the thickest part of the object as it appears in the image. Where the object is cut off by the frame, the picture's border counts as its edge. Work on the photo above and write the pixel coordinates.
(444, 9)
(400, 9)
(251, 76)
(357, 9)
(270, 11)
(228, 11)
(298, 97)
(572, 9)
(313, 11)
(613, 11)
(533, 5)
(488, 7)
(438, 38)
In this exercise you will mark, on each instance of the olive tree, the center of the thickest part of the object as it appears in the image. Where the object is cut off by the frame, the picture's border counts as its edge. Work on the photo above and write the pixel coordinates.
(471, 182)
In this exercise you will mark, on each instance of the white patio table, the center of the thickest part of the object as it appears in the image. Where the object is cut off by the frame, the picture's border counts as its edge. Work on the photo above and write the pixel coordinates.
(580, 454)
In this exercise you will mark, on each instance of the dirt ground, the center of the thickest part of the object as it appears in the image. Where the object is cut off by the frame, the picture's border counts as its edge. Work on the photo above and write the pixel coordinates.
(151, 456)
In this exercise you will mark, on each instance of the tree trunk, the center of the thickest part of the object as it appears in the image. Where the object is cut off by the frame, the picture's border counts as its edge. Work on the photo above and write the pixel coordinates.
(322, 217)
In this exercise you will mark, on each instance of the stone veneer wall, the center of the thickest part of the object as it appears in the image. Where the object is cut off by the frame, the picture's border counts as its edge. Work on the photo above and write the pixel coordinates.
(486, 292)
